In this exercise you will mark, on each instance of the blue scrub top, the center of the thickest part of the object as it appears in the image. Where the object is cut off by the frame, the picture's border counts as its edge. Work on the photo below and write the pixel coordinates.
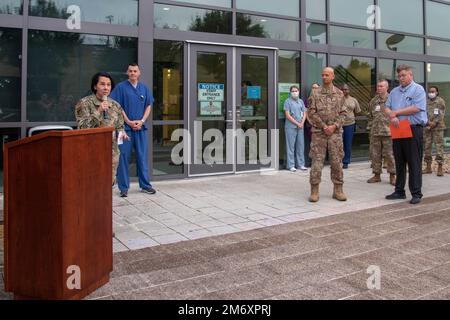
(412, 95)
(297, 109)
(134, 101)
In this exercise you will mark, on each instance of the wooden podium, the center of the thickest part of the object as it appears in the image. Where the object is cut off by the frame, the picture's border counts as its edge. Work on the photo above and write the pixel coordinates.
(58, 214)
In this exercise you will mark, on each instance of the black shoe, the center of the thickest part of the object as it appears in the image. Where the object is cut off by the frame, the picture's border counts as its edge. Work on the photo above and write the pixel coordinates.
(123, 194)
(415, 200)
(396, 196)
(345, 166)
(149, 190)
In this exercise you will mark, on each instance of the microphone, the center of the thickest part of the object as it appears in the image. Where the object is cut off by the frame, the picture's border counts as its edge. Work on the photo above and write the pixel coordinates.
(105, 113)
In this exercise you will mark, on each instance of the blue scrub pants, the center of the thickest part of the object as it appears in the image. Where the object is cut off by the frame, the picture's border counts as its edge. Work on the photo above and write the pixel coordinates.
(139, 142)
(348, 142)
(295, 147)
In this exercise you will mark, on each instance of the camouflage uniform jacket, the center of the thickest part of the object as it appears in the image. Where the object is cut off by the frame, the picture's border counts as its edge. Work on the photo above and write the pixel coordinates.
(326, 108)
(88, 116)
(436, 112)
(379, 122)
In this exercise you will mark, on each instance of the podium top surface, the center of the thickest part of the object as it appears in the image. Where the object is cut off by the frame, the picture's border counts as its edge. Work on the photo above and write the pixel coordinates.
(58, 134)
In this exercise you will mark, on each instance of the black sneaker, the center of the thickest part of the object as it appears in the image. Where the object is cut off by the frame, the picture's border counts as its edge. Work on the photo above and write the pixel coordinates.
(396, 196)
(123, 194)
(149, 190)
(345, 166)
(415, 200)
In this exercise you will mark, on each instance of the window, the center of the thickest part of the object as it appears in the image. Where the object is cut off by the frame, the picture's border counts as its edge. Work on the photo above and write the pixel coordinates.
(192, 19)
(11, 7)
(61, 65)
(438, 19)
(350, 11)
(438, 48)
(402, 15)
(353, 38)
(10, 74)
(218, 3)
(400, 43)
(315, 63)
(316, 33)
(316, 9)
(6, 135)
(123, 12)
(281, 7)
(263, 27)
(162, 150)
(168, 80)
(387, 70)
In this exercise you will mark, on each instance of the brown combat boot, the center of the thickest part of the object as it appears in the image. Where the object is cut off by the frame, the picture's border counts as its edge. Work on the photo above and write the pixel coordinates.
(338, 193)
(440, 172)
(375, 179)
(428, 169)
(392, 179)
(314, 193)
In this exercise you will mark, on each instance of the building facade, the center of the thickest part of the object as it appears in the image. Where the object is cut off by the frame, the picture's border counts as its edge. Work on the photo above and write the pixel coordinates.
(215, 66)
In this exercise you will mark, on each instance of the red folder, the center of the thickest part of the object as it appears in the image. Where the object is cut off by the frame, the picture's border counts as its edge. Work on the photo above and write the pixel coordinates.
(403, 131)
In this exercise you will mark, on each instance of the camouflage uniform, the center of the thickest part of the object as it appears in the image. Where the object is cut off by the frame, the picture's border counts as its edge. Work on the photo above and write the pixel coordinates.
(88, 116)
(380, 136)
(436, 113)
(326, 108)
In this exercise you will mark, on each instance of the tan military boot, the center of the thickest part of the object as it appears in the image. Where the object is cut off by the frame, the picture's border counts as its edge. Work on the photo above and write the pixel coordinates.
(428, 169)
(392, 179)
(338, 193)
(440, 172)
(314, 193)
(375, 179)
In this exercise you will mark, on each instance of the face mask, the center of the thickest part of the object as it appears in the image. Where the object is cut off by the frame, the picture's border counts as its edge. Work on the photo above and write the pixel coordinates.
(432, 95)
(295, 95)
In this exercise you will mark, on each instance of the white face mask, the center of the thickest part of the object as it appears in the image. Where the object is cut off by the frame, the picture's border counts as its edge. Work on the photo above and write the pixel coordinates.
(432, 95)
(295, 95)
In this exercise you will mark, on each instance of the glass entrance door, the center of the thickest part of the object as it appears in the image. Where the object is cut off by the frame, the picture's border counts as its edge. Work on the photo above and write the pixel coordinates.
(231, 109)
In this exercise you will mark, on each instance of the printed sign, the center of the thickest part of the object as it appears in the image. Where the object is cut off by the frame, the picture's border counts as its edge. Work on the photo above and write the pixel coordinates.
(211, 92)
(254, 92)
(210, 108)
(283, 95)
(247, 111)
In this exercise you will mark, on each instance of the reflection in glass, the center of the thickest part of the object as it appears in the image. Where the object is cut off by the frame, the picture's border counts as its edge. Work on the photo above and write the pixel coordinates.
(6, 135)
(192, 19)
(281, 7)
(438, 19)
(350, 11)
(123, 12)
(400, 43)
(288, 72)
(316, 33)
(359, 73)
(10, 74)
(218, 3)
(263, 27)
(439, 76)
(211, 114)
(316, 9)
(11, 7)
(168, 80)
(315, 63)
(61, 65)
(387, 70)
(162, 150)
(353, 38)
(438, 48)
(402, 15)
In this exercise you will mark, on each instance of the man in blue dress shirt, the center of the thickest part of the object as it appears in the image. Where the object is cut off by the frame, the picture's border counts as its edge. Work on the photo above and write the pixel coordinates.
(408, 102)
(136, 101)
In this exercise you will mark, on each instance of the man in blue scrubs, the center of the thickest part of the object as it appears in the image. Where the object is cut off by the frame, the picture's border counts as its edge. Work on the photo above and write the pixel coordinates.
(136, 101)
(408, 102)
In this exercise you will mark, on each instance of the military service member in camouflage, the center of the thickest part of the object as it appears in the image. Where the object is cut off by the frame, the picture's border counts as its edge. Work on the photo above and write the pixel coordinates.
(380, 135)
(352, 107)
(97, 110)
(326, 114)
(434, 131)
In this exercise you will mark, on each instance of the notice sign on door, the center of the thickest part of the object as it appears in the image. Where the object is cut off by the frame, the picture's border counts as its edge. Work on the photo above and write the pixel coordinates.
(211, 92)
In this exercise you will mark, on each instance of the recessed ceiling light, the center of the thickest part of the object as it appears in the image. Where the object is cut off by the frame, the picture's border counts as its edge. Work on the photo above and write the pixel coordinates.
(263, 20)
(166, 9)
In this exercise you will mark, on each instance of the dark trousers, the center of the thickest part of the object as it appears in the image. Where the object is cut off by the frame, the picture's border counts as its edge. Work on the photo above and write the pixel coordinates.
(409, 152)
(348, 142)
